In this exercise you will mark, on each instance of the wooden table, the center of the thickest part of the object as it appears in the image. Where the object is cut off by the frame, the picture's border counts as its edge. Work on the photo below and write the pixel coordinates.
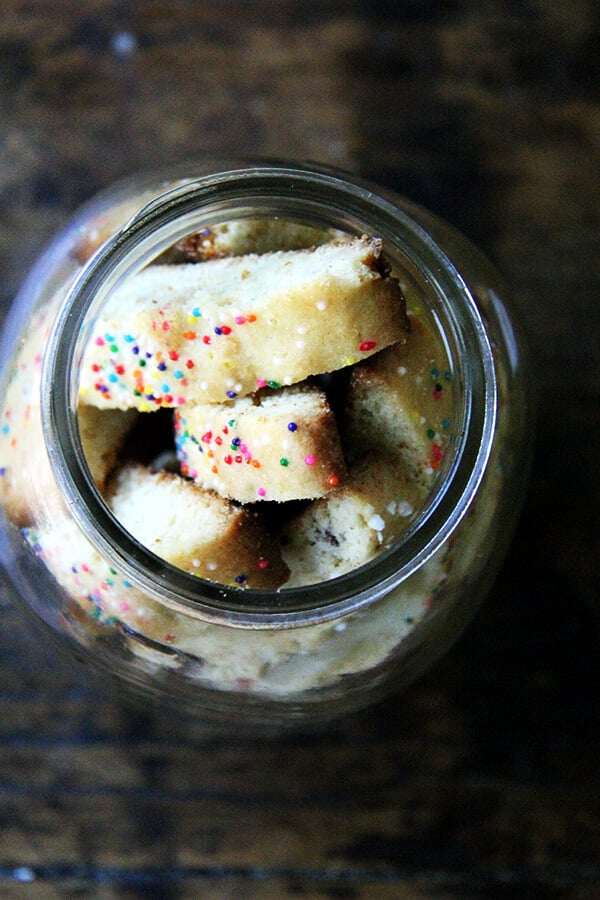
(482, 780)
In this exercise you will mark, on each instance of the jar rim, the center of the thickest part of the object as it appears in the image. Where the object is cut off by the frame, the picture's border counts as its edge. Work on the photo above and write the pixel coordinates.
(322, 192)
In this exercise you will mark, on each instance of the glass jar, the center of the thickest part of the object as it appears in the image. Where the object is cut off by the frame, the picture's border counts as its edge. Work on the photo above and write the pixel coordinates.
(226, 649)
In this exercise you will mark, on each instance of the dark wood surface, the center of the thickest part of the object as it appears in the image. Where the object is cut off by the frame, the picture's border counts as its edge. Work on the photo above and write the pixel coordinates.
(482, 780)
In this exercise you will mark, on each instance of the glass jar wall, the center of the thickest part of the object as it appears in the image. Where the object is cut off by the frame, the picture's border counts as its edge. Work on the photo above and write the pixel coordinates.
(264, 436)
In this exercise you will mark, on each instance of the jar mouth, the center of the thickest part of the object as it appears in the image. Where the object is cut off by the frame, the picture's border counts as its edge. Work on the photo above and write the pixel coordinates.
(301, 193)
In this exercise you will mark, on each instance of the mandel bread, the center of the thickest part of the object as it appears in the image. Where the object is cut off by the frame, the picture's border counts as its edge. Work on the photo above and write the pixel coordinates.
(224, 328)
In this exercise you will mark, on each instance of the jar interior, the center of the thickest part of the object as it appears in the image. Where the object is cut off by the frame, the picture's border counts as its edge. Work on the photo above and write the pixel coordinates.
(327, 468)
(129, 466)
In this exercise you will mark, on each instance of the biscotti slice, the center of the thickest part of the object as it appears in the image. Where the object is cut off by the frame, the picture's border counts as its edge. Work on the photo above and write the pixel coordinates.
(233, 238)
(196, 530)
(22, 443)
(212, 332)
(400, 402)
(353, 523)
(274, 445)
(242, 236)
(103, 433)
